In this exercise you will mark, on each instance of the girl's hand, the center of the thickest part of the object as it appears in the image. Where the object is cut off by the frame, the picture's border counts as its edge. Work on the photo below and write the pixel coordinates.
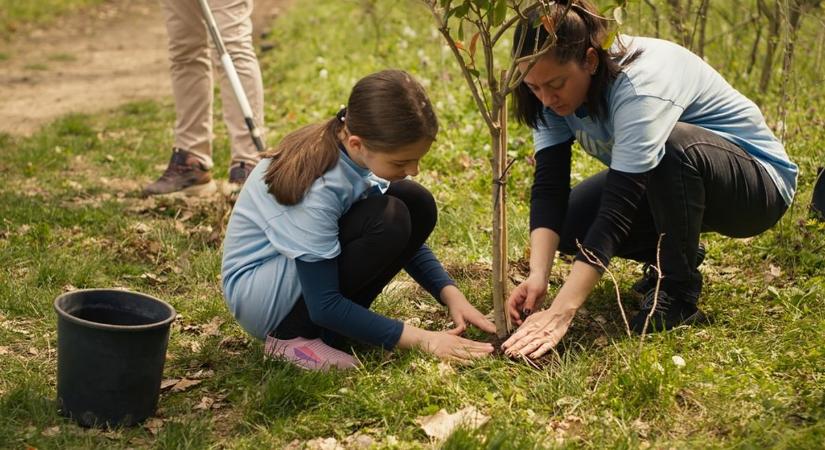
(526, 297)
(539, 333)
(454, 348)
(463, 312)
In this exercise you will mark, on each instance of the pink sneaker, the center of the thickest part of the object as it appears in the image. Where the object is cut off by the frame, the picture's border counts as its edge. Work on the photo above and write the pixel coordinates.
(310, 354)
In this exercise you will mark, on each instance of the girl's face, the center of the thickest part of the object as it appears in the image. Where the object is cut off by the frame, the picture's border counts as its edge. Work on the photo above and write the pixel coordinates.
(561, 87)
(392, 165)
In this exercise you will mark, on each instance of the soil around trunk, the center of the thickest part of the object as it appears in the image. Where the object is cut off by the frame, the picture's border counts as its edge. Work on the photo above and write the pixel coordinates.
(92, 61)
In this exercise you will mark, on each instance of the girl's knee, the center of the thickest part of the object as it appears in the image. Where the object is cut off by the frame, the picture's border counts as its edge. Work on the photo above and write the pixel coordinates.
(419, 202)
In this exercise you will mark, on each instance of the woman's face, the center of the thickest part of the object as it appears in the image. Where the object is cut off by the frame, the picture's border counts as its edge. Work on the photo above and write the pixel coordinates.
(561, 87)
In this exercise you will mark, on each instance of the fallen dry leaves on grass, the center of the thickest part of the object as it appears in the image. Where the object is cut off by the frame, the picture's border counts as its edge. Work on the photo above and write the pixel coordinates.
(441, 424)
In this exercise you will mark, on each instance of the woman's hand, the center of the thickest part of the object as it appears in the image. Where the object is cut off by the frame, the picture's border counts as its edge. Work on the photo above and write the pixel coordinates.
(539, 333)
(527, 297)
(462, 312)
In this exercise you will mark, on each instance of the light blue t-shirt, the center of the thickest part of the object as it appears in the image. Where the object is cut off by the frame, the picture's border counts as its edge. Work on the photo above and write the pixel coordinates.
(667, 84)
(263, 239)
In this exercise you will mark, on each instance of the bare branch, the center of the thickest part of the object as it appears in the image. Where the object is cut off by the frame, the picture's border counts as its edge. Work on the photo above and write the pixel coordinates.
(445, 31)
(659, 277)
(592, 259)
(520, 15)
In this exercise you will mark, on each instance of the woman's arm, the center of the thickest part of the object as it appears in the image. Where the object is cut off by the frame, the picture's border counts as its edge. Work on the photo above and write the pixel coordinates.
(548, 207)
(543, 331)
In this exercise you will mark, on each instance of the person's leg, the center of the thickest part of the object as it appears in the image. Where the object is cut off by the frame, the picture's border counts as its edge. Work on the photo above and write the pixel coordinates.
(378, 235)
(375, 251)
(234, 21)
(703, 183)
(191, 73)
(189, 167)
(706, 183)
(583, 206)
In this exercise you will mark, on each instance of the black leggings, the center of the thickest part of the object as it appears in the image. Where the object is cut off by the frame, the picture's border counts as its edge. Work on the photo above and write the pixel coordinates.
(703, 183)
(379, 236)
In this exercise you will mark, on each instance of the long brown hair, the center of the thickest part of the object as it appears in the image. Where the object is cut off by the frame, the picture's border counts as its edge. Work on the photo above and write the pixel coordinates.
(578, 28)
(387, 110)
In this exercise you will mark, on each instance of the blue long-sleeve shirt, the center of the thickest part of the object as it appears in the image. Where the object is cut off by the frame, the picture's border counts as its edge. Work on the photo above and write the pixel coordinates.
(329, 308)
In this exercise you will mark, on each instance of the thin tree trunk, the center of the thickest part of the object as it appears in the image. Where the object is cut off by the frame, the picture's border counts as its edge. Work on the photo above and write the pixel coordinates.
(774, 26)
(500, 219)
(676, 14)
(655, 13)
(703, 20)
(756, 40)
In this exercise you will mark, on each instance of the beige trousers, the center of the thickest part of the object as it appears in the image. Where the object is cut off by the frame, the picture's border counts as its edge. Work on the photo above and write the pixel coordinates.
(192, 54)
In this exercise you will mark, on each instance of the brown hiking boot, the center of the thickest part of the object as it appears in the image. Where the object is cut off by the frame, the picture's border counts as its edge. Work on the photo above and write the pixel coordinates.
(184, 174)
(239, 172)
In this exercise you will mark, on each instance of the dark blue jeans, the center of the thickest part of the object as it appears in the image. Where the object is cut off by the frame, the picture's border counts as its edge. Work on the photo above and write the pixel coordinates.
(704, 183)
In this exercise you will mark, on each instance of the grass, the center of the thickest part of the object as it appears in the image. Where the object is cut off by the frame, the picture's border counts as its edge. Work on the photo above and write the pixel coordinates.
(71, 218)
(16, 15)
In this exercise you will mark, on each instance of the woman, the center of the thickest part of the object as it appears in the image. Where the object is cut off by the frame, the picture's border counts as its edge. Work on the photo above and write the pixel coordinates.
(686, 153)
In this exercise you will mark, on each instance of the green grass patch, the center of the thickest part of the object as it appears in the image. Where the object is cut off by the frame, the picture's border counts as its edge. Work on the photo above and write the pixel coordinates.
(14, 14)
(71, 217)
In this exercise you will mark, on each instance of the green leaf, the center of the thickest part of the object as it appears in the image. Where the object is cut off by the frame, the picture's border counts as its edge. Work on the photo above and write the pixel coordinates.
(500, 12)
(609, 40)
(474, 73)
(459, 11)
(618, 14)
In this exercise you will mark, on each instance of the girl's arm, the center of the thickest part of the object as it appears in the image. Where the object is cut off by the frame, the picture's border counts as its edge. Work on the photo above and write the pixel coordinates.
(425, 269)
(329, 309)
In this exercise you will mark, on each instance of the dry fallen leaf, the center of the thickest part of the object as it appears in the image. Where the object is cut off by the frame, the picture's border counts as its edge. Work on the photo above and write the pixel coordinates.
(562, 429)
(213, 327)
(153, 425)
(141, 228)
(202, 374)
(441, 424)
(205, 403)
(4, 350)
(185, 384)
(445, 369)
(329, 443)
(358, 441)
(772, 273)
(168, 383)
(51, 431)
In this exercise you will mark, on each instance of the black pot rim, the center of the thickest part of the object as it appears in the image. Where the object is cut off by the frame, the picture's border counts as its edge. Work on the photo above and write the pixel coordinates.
(105, 326)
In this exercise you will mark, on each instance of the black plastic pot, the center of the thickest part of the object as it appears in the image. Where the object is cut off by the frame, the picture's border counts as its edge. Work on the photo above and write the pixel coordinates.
(111, 346)
(818, 197)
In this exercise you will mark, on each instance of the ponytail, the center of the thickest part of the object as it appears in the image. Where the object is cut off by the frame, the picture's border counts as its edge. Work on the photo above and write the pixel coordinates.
(300, 159)
(387, 110)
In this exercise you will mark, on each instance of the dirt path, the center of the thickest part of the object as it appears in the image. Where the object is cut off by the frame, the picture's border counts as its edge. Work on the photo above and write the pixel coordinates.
(91, 61)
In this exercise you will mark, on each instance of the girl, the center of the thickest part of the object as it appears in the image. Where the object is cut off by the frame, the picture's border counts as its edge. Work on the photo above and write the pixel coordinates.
(327, 219)
(686, 153)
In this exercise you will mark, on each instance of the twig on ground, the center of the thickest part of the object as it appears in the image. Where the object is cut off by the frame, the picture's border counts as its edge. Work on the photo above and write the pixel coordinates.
(659, 277)
(592, 259)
